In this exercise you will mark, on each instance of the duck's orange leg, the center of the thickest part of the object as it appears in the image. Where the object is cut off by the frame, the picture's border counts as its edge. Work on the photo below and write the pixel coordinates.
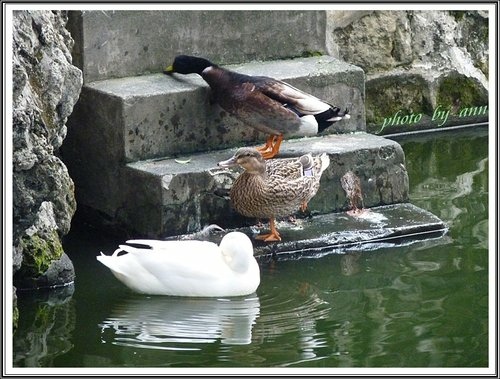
(273, 236)
(272, 146)
(303, 206)
(269, 144)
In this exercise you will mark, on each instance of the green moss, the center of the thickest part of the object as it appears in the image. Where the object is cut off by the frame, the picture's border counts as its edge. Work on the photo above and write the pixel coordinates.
(15, 316)
(459, 90)
(458, 15)
(38, 253)
(39, 55)
(43, 316)
(47, 113)
(386, 96)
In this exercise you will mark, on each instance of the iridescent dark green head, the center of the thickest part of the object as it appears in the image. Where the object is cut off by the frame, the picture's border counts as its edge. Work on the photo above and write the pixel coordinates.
(186, 64)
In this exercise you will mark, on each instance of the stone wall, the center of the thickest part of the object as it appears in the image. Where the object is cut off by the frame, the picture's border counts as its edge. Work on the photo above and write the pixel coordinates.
(423, 68)
(116, 44)
(45, 88)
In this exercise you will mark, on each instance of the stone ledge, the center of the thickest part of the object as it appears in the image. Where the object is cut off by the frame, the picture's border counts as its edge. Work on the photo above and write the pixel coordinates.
(339, 233)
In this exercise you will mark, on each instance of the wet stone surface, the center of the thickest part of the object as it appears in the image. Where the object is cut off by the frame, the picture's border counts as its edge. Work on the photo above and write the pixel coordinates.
(388, 225)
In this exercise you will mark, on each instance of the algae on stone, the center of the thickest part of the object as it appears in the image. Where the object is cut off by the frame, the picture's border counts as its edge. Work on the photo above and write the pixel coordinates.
(388, 98)
(39, 252)
(460, 91)
(396, 47)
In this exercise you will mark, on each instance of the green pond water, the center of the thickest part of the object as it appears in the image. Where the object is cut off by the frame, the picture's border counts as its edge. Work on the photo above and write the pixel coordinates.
(423, 304)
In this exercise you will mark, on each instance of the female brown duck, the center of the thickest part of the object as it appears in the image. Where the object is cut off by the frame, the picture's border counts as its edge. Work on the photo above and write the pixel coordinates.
(275, 188)
(266, 104)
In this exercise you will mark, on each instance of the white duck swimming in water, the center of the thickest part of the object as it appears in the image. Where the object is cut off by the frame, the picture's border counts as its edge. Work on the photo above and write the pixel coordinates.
(187, 268)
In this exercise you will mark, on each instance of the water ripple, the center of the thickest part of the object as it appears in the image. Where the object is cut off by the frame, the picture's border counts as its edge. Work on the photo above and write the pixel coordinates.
(158, 322)
(287, 315)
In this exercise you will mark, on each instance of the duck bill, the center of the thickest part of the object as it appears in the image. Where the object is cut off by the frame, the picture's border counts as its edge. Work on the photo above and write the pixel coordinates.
(169, 70)
(229, 163)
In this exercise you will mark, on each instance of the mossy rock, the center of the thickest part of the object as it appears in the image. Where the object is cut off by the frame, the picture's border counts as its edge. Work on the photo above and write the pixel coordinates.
(403, 103)
(458, 15)
(460, 91)
(396, 97)
(39, 252)
(15, 310)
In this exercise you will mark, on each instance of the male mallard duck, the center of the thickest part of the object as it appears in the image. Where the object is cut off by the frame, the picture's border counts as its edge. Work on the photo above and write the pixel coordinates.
(187, 268)
(275, 188)
(266, 104)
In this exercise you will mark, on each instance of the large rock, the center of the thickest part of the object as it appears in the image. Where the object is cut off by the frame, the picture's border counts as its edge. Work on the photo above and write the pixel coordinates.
(45, 88)
(424, 68)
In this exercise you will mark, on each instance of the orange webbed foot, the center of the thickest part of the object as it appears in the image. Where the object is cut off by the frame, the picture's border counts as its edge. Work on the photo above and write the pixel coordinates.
(268, 146)
(272, 147)
(268, 155)
(273, 236)
(268, 237)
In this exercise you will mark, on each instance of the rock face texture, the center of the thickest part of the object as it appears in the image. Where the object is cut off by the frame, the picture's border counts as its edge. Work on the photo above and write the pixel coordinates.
(424, 68)
(45, 88)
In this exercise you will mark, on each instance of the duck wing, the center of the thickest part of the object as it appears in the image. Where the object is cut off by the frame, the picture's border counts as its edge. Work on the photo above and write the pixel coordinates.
(260, 111)
(293, 168)
(185, 259)
(290, 96)
(297, 180)
(286, 168)
(241, 96)
(305, 105)
(285, 109)
(166, 260)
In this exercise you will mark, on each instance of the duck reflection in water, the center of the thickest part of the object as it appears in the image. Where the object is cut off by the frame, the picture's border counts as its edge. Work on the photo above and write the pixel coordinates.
(169, 322)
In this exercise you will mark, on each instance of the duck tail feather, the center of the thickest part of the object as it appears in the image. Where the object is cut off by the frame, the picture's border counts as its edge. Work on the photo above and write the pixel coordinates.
(148, 243)
(130, 249)
(336, 114)
(325, 162)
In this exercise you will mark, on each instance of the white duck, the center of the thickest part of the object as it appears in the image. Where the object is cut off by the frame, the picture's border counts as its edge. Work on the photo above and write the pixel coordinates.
(187, 268)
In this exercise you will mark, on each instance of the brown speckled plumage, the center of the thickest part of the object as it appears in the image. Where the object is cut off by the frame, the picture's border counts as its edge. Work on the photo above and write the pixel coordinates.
(274, 188)
(352, 186)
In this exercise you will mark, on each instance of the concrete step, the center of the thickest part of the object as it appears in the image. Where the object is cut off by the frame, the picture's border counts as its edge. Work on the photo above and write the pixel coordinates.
(164, 197)
(153, 116)
(111, 44)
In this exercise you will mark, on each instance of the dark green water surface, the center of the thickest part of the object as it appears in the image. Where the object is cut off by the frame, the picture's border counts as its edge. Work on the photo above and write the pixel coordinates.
(420, 305)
